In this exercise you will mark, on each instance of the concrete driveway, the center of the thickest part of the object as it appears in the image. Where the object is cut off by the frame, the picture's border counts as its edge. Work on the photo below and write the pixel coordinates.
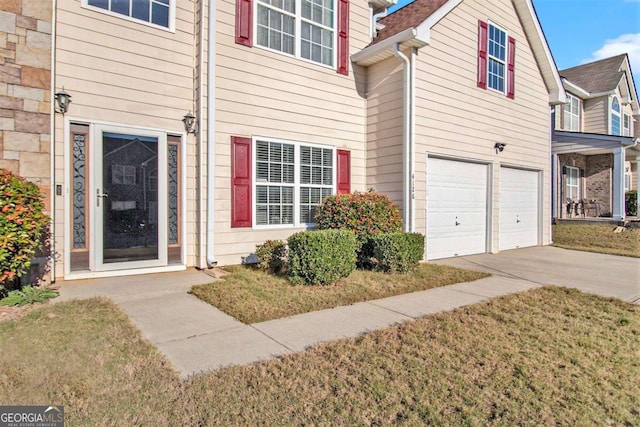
(606, 275)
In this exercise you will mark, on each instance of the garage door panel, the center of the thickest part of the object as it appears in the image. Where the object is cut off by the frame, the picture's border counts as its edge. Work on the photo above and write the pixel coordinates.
(519, 210)
(456, 208)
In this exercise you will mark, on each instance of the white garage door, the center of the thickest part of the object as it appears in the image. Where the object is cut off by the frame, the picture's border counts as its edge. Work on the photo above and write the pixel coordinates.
(519, 211)
(456, 208)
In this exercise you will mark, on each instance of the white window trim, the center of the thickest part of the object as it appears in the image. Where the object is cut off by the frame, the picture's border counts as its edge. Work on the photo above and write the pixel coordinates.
(626, 125)
(577, 117)
(298, 31)
(616, 113)
(490, 57)
(296, 185)
(172, 16)
(576, 185)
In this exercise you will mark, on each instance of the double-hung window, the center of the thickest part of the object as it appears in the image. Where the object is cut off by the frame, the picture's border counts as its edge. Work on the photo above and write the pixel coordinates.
(301, 28)
(497, 58)
(572, 183)
(571, 114)
(291, 181)
(626, 125)
(615, 116)
(155, 12)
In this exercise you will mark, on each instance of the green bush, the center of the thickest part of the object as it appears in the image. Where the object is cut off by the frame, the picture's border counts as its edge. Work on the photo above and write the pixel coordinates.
(28, 295)
(272, 255)
(631, 203)
(321, 257)
(23, 225)
(363, 214)
(396, 252)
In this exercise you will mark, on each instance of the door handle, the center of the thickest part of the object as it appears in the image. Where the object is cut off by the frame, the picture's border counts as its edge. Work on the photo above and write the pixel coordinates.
(457, 223)
(517, 219)
(99, 196)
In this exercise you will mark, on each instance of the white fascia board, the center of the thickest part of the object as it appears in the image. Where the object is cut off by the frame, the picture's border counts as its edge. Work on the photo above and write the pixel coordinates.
(382, 4)
(366, 55)
(540, 47)
(575, 89)
(622, 140)
(424, 29)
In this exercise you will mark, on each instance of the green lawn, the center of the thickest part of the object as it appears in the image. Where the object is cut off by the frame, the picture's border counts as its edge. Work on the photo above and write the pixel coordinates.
(546, 357)
(597, 238)
(251, 295)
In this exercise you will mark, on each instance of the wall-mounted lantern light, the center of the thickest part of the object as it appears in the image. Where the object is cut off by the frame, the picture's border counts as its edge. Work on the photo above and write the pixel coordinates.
(62, 100)
(190, 123)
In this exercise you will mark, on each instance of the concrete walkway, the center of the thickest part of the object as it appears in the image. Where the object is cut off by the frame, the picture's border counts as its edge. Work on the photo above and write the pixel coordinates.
(197, 337)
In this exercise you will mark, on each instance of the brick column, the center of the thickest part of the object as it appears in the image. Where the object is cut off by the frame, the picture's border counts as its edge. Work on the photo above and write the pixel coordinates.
(25, 90)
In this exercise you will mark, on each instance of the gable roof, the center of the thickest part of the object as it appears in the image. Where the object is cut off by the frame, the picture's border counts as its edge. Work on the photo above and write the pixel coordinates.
(410, 27)
(410, 16)
(598, 76)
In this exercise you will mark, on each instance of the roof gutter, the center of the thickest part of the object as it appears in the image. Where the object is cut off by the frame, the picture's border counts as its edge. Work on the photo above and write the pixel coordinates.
(365, 56)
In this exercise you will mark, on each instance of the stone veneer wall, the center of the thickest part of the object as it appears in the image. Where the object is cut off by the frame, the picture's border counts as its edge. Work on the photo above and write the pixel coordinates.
(599, 176)
(25, 90)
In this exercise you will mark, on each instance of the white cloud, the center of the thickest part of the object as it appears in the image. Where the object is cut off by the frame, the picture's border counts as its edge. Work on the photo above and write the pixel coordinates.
(626, 43)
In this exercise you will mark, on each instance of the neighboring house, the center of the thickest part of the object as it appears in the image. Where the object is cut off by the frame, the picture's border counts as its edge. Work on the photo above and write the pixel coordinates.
(445, 110)
(595, 152)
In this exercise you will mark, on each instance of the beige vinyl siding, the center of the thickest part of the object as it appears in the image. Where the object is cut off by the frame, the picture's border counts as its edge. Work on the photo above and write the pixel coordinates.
(384, 128)
(127, 74)
(270, 94)
(596, 112)
(456, 118)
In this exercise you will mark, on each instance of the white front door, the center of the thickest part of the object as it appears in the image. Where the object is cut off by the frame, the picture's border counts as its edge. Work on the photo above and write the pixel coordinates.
(129, 229)
(456, 208)
(519, 212)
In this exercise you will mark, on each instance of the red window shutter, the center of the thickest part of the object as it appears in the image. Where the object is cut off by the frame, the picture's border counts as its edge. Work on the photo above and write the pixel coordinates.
(344, 172)
(482, 54)
(343, 37)
(244, 22)
(511, 67)
(240, 182)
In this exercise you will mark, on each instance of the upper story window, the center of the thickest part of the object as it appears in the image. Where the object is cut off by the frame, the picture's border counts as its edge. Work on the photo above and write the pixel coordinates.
(155, 12)
(615, 116)
(291, 181)
(496, 59)
(302, 28)
(626, 125)
(497, 63)
(571, 113)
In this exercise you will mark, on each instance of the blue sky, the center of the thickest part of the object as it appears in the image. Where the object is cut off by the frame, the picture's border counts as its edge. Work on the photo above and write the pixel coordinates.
(580, 31)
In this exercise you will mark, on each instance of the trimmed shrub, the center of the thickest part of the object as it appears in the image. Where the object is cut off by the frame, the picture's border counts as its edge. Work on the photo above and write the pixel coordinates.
(321, 257)
(23, 225)
(363, 214)
(272, 255)
(396, 252)
(631, 203)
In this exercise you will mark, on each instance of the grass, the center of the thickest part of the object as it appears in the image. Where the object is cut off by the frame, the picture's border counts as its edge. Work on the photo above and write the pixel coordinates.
(597, 238)
(252, 296)
(546, 357)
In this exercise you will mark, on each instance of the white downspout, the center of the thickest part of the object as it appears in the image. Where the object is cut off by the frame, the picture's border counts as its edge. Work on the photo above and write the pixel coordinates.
(211, 134)
(412, 140)
(52, 133)
(406, 136)
(202, 260)
(373, 30)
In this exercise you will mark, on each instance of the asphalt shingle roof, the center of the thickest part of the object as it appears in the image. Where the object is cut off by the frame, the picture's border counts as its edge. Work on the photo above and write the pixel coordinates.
(599, 76)
(409, 16)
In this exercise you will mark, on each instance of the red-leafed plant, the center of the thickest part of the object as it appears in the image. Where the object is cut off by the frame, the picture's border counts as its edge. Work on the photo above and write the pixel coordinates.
(363, 214)
(23, 225)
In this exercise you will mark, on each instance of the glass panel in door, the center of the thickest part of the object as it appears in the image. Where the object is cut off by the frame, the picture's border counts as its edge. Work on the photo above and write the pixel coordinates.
(128, 199)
